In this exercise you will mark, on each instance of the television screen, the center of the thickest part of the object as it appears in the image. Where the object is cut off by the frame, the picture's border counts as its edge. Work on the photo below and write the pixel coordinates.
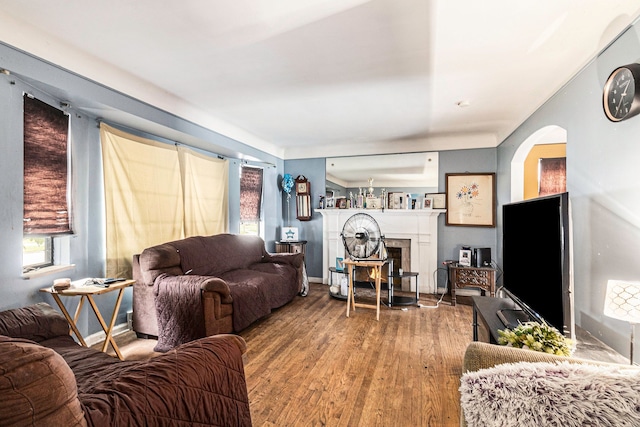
(537, 267)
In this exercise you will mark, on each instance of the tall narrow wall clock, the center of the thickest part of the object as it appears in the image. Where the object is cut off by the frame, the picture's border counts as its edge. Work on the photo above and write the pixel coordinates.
(303, 198)
(621, 95)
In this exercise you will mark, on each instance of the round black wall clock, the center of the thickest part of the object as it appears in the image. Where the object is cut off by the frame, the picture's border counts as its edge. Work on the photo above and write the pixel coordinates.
(621, 95)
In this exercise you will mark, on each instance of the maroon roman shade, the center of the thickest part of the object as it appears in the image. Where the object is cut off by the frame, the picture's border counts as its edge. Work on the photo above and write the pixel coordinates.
(250, 193)
(46, 129)
(553, 172)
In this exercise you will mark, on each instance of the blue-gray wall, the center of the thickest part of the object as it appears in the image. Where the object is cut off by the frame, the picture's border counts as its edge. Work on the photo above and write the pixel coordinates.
(603, 179)
(452, 238)
(311, 231)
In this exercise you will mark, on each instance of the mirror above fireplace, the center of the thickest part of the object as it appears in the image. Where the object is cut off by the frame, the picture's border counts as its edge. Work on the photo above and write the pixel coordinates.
(387, 170)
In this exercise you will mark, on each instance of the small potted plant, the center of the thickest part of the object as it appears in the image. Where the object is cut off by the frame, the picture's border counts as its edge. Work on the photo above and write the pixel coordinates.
(537, 337)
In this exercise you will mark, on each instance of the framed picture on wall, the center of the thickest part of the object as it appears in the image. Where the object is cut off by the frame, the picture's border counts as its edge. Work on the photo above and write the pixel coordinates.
(471, 199)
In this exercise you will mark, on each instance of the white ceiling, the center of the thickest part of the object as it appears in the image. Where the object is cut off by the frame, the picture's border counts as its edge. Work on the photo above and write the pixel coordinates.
(324, 78)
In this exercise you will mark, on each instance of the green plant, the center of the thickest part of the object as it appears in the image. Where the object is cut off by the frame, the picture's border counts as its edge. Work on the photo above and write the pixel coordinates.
(537, 337)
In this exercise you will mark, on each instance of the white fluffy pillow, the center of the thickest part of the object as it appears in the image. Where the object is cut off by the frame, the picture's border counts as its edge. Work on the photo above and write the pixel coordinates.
(549, 394)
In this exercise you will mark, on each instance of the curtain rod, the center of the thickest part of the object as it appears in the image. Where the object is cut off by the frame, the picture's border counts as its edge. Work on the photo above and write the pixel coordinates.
(177, 143)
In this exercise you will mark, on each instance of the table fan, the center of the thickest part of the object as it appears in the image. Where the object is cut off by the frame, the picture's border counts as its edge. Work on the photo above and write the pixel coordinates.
(362, 238)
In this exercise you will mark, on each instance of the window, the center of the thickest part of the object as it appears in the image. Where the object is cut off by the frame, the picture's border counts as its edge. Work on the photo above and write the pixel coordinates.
(36, 252)
(46, 206)
(250, 200)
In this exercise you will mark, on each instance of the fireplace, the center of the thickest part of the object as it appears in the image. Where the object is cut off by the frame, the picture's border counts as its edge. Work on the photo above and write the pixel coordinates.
(399, 251)
(413, 232)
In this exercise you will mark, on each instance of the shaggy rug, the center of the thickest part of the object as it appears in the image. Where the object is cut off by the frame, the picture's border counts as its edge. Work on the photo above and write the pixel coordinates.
(548, 394)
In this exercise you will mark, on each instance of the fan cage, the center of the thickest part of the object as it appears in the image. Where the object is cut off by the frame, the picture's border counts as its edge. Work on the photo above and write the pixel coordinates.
(362, 238)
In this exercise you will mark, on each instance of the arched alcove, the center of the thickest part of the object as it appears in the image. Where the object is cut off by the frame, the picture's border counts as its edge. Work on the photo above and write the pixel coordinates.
(547, 135)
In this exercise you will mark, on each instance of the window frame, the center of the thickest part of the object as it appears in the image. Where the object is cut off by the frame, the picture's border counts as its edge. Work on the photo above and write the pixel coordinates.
(49, 248)
(242, 223)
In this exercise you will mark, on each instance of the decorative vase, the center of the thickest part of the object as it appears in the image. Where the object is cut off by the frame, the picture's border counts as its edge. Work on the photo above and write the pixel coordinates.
(467, 208)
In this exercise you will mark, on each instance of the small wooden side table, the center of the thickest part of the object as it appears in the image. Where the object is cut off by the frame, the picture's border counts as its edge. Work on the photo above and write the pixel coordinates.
(297, 247)
(351, 265)
(87, 292)
(472, 277)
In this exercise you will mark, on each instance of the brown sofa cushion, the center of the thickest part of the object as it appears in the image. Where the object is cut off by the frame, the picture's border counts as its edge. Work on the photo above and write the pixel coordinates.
(36, 322)
(37, 386)
(215, 255)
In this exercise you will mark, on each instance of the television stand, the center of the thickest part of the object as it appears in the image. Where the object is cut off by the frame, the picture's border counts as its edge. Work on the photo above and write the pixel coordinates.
(486, 324)
(512, 317)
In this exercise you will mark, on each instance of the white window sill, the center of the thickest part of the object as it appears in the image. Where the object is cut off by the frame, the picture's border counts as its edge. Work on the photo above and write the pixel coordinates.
(47, 270)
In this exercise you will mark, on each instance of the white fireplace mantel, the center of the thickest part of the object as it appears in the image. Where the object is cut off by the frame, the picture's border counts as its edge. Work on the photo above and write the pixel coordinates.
(419, 225)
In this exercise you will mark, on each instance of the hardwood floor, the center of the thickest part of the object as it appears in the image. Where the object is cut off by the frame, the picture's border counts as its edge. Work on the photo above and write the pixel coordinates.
(307, 364)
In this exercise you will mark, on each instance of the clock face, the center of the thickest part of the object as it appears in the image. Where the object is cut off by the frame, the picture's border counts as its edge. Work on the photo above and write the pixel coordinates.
(619, 94)
(302, 187)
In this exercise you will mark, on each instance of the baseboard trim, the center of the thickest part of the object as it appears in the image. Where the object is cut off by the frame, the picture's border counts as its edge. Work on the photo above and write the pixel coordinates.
(99, 337)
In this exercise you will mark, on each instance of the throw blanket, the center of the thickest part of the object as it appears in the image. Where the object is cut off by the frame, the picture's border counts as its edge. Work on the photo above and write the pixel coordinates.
(179, 310)
(201, 384)
(548, 394)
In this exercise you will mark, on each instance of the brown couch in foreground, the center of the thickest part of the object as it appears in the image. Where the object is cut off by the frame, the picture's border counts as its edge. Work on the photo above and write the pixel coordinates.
(201, 286)
(47, 379)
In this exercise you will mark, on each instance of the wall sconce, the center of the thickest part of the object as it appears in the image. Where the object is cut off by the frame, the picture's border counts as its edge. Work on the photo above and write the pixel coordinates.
(622, 301)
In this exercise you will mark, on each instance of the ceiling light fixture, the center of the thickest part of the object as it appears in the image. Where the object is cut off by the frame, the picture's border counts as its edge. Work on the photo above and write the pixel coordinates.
(463, 104)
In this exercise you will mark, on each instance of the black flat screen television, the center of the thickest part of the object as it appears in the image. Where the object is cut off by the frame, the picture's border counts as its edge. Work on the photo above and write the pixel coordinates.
(537, 261)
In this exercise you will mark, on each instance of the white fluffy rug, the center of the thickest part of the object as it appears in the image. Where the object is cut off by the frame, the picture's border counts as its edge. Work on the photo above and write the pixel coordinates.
(547, 394)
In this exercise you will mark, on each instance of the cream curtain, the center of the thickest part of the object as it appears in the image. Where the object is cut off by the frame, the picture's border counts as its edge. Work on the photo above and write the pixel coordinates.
(145, 187)
(205, 184)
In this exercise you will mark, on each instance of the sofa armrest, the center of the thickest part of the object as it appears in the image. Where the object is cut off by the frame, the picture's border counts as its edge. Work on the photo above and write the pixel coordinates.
(236, 340)
(159, 259)
(37, 386)
(206, 283)
(36, 322)
(480, 355)
(215, 284)
(295, 260)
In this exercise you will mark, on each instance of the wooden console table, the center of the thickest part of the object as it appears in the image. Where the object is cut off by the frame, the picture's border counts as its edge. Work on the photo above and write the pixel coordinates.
(472, 277)
(87, 292)
(486, 324)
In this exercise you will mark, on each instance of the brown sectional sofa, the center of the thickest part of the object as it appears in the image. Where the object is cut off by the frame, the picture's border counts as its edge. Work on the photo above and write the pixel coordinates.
(207, 285)
(47, 379)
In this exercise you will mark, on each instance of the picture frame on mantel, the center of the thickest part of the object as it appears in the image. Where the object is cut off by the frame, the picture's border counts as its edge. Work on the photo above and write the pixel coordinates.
(439, 200)
(471, 199)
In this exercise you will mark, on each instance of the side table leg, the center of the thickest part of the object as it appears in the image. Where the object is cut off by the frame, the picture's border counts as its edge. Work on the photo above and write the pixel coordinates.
(350, 293)
(453, 294)
(390, 284)
(72, 323)
(108, 329)
(475, 323)
(378, 271)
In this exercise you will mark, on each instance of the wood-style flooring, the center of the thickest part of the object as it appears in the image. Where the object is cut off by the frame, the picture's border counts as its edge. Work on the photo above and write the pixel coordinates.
(307, 364)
